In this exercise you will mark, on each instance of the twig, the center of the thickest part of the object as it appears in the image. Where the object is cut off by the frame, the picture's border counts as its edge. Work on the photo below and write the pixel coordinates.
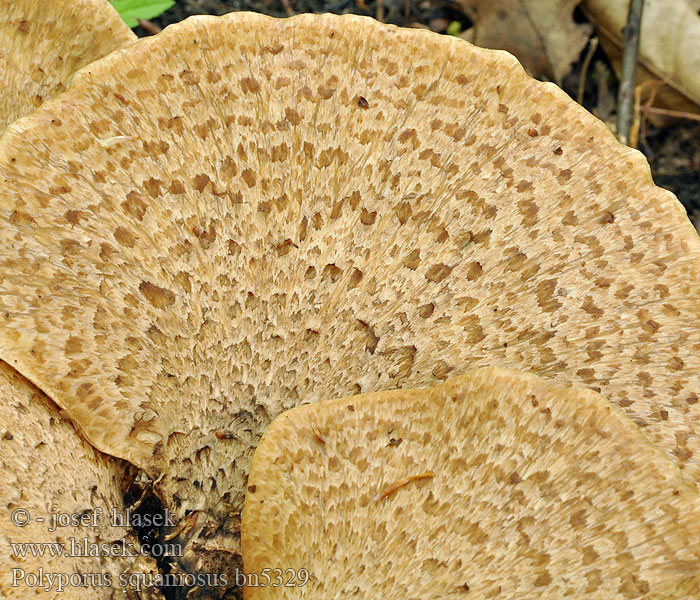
(670, 113)
(638, 123)
(380, 11)
(149, 26)
(406, 10)
(604, 102)
(592, 47)
(387, 491)
(288, 8)
(630, 51)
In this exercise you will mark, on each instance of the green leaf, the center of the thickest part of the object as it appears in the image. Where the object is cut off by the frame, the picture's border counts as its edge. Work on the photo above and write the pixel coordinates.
(454, 28)
(133, 10)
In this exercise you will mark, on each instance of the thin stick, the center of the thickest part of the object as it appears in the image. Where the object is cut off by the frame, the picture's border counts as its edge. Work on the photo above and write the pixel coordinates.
(387, 491)
(670, 113)
(288, 8)
(592, 47)
(149, 26)
(630, 51)
(380, 11)
(638, 124)
(604, 99)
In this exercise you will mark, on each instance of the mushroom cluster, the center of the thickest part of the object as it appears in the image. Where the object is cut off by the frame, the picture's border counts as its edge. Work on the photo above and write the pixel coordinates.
(241, 214)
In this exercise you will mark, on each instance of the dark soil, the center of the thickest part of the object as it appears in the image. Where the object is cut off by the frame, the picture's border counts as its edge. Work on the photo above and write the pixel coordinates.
(435, 14)
(673, 151)
(674, 155)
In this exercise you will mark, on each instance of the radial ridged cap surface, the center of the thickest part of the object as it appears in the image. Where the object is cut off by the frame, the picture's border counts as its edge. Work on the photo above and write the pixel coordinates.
(240, 214)
(491, 485)
(43, 42)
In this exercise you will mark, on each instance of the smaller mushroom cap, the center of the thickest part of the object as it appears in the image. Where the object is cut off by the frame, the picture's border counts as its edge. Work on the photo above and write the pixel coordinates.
(57, 489)
(494, 483)
(43, 43)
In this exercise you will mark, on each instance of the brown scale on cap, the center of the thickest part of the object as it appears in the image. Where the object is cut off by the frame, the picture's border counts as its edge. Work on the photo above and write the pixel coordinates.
(43, 42)
(259, 236)
(504, 486)
(49, 472)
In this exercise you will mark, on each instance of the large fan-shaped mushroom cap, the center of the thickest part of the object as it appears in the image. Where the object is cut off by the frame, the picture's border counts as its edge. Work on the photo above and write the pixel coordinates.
(60, 504)
(43, 42)
(491, 485)
(240, 214)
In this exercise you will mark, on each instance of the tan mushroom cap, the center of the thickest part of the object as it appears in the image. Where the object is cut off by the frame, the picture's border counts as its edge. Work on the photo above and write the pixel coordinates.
(494, 483)
(48, 472)
(209, 228)
(43, 42)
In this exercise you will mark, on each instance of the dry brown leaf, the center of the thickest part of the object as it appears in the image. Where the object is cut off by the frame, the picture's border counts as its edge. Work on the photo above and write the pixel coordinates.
(542, 34)
(669, 49)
